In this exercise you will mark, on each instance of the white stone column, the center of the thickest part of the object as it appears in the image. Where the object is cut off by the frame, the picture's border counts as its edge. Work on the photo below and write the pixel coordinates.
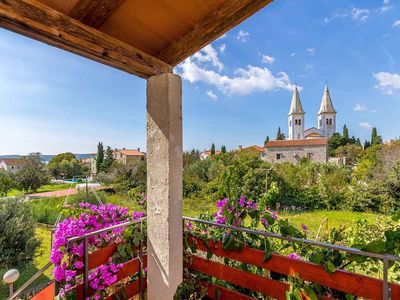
(164, 185)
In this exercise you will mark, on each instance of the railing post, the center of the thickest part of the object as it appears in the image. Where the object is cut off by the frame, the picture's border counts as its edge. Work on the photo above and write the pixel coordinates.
(85, 269)
(386, 294)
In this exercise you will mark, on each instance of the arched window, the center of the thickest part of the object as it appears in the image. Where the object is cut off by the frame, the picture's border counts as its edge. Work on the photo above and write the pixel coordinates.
(327, 121)
(295, 122)
(300, 122)
(320, 123)
(330, 121)
(290, 123)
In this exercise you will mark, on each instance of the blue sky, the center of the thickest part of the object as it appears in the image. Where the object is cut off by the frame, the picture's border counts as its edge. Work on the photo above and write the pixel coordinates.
(235, 91)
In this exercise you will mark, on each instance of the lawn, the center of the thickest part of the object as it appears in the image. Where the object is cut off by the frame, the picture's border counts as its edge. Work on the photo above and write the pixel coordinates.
(41, 258)
(45, 188)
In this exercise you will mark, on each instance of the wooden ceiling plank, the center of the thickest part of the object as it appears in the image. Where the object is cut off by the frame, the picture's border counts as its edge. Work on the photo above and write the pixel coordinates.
(94, 13)
(230, 14)
(42, 23)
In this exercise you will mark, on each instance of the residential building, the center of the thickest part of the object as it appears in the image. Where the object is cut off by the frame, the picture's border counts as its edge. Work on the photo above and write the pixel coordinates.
(128, 156)
(293, 151)
(207, 153)
(12, 165)
(90, 162)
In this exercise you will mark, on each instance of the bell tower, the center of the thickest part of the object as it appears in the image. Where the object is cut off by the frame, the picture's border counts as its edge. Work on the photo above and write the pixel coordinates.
(327, 115)
(296, 117)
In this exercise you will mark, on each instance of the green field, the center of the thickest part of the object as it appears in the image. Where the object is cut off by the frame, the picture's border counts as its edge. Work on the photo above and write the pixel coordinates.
(41, 258)
(45, 188)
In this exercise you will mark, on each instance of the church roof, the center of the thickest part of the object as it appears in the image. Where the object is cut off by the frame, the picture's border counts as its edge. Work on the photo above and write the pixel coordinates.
(297, 143)
(326, 103)
(295, 106)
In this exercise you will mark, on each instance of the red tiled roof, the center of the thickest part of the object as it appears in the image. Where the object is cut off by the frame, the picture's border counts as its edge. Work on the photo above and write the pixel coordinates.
(255, 147)
(12, 161)
(297, 143)
(129, 152)
(208, 152)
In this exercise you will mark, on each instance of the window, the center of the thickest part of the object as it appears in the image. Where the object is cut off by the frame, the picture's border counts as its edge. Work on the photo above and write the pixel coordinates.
(295, 122)
(290, 123)
(309, 156)
(320, 123)
(327, 121)
(278, 156)
(12, 167)
(300, 122)
(330, 121)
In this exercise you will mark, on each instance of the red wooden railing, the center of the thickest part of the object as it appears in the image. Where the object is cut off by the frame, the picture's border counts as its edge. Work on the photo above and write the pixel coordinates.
(95, 260)
(351, 283)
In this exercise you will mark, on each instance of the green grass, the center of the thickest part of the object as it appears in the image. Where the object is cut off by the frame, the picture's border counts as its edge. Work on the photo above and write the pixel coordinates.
(45, 188)
(41, 258)
(313, 219)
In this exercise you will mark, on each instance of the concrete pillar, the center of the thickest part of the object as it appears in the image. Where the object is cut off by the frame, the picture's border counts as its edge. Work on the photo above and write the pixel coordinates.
(164, 185)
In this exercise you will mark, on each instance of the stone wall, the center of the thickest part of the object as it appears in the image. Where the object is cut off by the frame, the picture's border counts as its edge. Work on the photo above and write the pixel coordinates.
(316, 153)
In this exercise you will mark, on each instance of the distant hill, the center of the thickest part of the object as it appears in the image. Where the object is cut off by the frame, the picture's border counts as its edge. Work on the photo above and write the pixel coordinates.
(46, 157)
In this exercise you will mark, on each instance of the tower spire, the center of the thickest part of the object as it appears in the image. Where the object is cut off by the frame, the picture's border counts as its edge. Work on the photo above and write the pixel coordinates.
(295, 106)
(326, 103)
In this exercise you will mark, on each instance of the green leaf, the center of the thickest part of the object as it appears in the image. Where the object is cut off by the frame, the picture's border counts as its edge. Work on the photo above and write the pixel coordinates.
(329, 267)
(377, 246)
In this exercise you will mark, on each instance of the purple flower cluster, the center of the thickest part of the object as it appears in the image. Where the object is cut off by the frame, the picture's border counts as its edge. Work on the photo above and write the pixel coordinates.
(294, 256)
(68, 260)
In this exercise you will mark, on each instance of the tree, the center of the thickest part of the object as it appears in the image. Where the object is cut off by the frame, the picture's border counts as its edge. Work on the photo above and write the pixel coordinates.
(99, 157)
(375, 138)
(266, 140)
(32, 175)
(212, 149)
(65, 165)
(367, 144)
(335, 141)
(109, 159)
(352, 152)
(17, 234)
(346, 133)
(280, 135)
(223, 149)
(7, 182)
(190, 157)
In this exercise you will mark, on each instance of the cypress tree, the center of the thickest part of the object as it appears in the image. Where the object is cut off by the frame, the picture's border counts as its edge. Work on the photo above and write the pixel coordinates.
(212, 149)
(345, 133)
(100, 157)
(375, 138)
(266, 140)
(223, 149)
(109, 159)
(280, 135)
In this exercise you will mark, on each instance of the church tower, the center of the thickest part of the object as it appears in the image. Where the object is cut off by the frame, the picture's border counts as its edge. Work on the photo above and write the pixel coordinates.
(296, 117)
(327, 115)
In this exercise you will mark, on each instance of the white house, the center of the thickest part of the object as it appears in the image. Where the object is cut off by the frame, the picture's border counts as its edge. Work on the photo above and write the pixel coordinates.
(12, 165)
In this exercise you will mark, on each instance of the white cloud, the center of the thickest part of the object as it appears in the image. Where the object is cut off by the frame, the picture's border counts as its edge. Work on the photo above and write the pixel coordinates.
(209, 54)
(360, 14)
(365, 125)
(242, 35)
(362, 108)
(268, 59)
(243, 81)
(310, 51)
(396, 24)
(211, 94)
(292, 54)
(389, 83)
(357, 14)
(385, 7)
(222, 48)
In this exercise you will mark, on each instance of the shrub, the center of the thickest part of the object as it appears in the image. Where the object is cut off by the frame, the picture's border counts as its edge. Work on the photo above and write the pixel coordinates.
(17, 234)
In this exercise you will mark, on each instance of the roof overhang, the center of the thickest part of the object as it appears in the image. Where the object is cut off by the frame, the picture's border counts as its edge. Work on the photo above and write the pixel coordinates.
(144, 38)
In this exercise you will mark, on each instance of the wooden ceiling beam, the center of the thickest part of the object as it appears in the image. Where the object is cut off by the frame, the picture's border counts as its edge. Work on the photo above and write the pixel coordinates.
(94, 13)
(231, 13)
(42, 23)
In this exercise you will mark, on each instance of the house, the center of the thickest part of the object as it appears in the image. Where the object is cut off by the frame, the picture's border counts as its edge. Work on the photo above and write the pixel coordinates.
(207, 153)
(293, 151)
(258, 150)
(12, 165)
(90, 162)
(128, 156)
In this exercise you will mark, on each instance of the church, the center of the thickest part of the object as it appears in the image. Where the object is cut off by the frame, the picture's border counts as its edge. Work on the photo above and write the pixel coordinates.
(310, 143)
